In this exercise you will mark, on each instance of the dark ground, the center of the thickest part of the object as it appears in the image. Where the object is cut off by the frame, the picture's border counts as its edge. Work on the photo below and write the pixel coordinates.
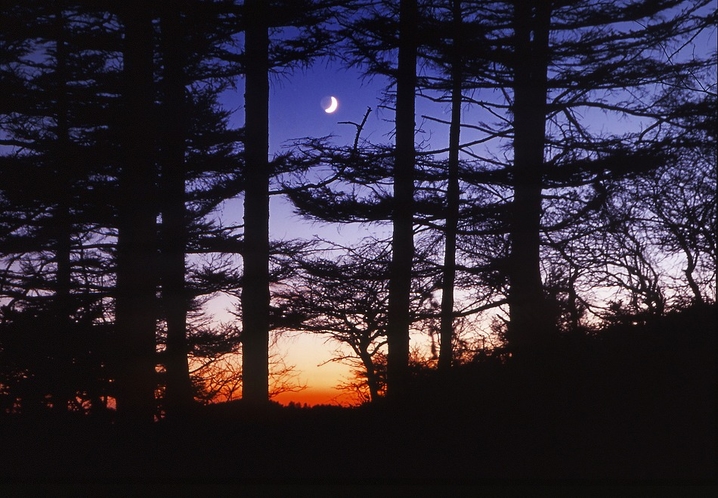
(637, 406)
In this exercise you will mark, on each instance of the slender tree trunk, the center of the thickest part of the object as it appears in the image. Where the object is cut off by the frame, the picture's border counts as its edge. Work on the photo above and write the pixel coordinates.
(173, 236)
(135, 306)
(529, 324)
(452, 200)
(690, 267)
(399, 319)
(255, 291)
(572, 297)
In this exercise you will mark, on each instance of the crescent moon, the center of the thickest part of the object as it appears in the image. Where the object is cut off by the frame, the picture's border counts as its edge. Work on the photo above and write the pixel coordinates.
(332, 106)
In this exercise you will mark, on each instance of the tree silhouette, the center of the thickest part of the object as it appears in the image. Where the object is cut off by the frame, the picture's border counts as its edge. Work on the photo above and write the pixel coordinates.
(89, 98)
(371, 35)
(451, 45)
(53, 199)
(680, 196)
(398, 319)
(531, 24)
(173, 228)
(261, 56)
(348, 301)
(255, 290)
(136, 305)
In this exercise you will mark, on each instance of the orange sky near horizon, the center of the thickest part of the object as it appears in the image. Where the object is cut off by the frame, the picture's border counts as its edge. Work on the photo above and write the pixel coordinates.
(309, 355)
(312, 396)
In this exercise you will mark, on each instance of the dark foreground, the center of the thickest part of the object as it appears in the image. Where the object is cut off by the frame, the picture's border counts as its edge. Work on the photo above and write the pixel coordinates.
(638, 405)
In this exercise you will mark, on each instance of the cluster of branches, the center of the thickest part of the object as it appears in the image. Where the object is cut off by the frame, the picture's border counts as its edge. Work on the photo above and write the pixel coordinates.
(115, 155)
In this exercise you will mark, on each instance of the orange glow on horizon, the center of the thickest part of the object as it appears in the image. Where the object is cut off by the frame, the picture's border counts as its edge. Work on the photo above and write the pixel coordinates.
(313, 396)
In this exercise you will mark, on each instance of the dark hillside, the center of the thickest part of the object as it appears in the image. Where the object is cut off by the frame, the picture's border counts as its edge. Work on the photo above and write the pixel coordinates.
(630, 403)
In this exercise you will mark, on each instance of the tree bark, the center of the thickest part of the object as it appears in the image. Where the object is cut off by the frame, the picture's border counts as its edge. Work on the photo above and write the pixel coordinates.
(173, 231)
(399, 320)
(529, 322)
(135, 306)
(255, 291)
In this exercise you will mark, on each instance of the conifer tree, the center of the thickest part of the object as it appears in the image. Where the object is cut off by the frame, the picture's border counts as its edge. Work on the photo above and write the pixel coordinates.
(136, 305)
(255, 285)
(51, 171)
(398, 319)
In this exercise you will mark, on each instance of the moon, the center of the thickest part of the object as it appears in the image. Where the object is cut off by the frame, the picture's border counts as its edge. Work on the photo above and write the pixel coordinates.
(330, 104)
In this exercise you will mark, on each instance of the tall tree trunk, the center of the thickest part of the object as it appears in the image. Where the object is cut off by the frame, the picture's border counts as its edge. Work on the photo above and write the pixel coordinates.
(529, 322)
(135, 306)
(255, 290)
(452, 199)
(399, 319)
(173, 231)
